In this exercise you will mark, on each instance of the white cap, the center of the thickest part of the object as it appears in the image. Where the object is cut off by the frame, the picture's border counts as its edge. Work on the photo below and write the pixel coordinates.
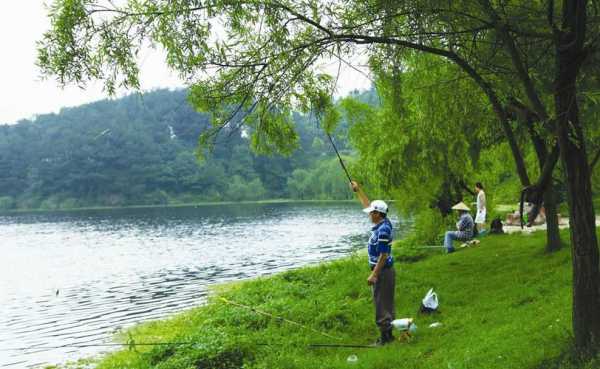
(377, 205)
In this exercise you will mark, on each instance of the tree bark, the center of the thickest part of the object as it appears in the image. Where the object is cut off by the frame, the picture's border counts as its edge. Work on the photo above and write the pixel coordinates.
(553, 242)
(584, 243)
(550, 204)
(586, 276)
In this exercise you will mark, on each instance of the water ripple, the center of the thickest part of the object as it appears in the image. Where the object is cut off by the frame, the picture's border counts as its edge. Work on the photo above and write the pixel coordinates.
(74, 278)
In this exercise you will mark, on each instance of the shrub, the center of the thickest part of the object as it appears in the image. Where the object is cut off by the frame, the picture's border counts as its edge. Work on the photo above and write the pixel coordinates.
(7, 203)
(50, 203)
(69, 203)
(429, 226)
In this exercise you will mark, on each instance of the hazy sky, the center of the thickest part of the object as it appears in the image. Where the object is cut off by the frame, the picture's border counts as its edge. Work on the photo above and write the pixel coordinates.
(23, 93)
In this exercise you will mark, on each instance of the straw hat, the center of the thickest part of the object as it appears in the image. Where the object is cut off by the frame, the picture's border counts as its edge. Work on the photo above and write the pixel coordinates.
(461, 206)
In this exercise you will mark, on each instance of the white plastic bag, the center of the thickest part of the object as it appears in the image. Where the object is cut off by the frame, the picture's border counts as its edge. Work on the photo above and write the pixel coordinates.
(430, 302)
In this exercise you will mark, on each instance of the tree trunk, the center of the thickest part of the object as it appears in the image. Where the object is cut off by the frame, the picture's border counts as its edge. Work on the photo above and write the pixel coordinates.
(586, 275)
(443, 201)
(549, 197)
(552, 231)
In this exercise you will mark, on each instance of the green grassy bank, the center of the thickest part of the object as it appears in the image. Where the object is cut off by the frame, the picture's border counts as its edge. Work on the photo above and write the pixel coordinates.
(504, 304)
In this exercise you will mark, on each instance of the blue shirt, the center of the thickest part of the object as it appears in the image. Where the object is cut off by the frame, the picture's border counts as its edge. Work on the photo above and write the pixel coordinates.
(380, 242)
(465, 227)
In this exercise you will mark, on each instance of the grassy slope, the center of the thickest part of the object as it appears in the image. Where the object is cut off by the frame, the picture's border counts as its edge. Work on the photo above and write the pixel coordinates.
(505, 304)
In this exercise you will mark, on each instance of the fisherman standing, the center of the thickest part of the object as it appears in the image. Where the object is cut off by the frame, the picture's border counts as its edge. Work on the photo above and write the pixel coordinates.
(383, 276)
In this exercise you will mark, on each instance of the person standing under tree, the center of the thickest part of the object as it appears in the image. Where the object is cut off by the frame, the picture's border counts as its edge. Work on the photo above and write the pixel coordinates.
(383, 276)
(481, 208)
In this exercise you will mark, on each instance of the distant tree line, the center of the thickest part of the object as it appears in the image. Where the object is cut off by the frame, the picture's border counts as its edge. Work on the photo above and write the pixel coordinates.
(140, 149)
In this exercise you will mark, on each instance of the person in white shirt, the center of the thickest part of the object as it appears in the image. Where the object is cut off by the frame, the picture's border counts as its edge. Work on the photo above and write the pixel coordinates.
(481, 207)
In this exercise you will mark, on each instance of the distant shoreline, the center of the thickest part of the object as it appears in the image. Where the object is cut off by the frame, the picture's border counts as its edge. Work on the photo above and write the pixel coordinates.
(186, 205)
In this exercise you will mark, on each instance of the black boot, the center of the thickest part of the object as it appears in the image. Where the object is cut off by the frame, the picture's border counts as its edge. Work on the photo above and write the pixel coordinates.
(385, 338)
(389, 336)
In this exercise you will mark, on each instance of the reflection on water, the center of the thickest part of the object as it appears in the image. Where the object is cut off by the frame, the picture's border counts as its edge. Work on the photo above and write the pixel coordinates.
(79, 277)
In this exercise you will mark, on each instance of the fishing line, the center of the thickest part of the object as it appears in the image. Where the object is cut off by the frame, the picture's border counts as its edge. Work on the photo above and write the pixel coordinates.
(276, 317)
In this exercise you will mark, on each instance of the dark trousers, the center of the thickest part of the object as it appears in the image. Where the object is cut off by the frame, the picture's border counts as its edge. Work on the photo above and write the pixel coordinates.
(383, 298)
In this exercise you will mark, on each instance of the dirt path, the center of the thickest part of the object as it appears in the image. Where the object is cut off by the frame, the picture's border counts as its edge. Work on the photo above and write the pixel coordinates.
(562, 223)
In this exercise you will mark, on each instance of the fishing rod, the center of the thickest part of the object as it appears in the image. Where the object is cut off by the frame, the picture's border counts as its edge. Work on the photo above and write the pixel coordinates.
(339, 156)
(85, 345)
(339, 345)
(334, 149)
(132, 346)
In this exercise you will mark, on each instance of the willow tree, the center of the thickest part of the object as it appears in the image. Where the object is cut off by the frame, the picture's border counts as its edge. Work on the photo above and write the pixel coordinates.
(257, 59)
(425, 137)
(436, 123)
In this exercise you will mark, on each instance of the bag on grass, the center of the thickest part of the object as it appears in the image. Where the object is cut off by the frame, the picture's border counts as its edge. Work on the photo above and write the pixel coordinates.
(430, 302)
(496, 226)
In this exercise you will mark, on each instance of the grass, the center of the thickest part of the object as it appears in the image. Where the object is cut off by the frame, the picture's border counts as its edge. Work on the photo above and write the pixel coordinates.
(504, 304)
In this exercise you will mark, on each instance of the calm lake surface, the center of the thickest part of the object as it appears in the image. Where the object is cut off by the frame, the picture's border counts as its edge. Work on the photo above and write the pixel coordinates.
(73, 278)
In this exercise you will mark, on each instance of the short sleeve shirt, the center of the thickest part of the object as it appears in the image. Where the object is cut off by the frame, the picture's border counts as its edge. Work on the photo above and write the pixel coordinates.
(380, 242)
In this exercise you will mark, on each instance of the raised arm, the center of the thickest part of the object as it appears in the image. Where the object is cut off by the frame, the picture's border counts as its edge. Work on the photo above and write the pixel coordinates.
(364, 200)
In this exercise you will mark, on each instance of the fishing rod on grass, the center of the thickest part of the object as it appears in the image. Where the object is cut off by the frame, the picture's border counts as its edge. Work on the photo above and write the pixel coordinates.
(279, 318)
(132, 344)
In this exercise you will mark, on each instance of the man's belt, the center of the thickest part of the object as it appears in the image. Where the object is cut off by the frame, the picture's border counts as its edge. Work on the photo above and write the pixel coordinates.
(384, 267)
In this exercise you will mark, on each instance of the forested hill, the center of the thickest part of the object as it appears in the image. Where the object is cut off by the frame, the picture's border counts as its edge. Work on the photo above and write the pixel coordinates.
(140, 150)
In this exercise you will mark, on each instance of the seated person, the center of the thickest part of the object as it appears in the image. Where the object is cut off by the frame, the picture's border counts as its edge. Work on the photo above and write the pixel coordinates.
(541, 218)
(515, 217)
(464, 227)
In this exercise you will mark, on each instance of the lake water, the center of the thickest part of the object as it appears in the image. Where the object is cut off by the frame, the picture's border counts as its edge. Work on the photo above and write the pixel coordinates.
(76, 278)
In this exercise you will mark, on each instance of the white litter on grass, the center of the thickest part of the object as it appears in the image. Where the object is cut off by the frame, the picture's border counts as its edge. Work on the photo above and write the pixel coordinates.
(435, 325)
(352, 359)
(405, 325)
